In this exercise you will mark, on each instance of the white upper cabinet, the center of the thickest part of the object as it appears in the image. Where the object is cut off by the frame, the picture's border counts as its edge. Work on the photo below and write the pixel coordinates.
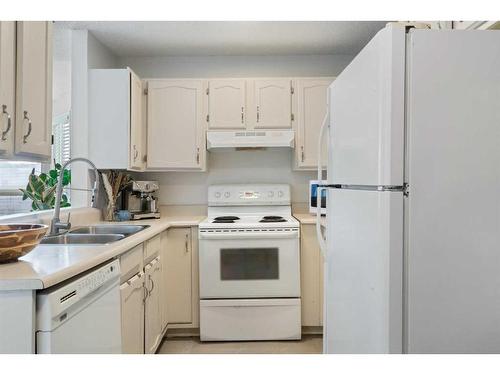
(227, 104)
(7, 86)
(33, 130)
(115, 119)
(176, 124)
(310, 104)
(136, 152)
(271, 103)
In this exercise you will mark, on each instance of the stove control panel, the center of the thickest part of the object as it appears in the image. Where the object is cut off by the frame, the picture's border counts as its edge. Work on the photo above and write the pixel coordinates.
(242, 195)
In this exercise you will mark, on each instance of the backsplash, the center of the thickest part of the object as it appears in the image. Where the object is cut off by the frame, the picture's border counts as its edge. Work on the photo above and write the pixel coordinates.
(232, 167)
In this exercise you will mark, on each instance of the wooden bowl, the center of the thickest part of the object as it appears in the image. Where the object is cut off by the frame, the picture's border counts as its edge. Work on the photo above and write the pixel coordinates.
(17, 240)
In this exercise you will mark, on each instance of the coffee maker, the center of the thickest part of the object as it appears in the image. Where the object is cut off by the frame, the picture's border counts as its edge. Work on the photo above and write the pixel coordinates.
(140, 200)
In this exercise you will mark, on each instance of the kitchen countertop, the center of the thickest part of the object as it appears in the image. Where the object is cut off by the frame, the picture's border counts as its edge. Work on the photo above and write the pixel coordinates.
(306, 218)
(48, 265)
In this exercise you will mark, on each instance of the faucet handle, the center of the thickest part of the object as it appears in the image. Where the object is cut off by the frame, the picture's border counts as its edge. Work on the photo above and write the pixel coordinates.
(67, 224)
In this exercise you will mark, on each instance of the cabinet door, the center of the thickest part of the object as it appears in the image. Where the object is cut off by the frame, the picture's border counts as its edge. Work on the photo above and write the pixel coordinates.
(34, 89)
(226, 103)
(7, 86)
(272, 104)
(136, 124)
(132, 306)
(311, 277)
(310, 110)
(152, 331)
(176, 125)
(178, 287)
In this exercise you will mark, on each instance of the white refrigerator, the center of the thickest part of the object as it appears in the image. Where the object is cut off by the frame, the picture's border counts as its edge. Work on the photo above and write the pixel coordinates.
(412, 252)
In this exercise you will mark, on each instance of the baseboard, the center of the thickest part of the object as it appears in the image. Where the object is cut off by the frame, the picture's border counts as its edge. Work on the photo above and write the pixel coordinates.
(195, 332)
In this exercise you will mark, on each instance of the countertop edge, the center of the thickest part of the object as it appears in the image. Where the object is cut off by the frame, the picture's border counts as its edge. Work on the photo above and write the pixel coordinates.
(114, 250)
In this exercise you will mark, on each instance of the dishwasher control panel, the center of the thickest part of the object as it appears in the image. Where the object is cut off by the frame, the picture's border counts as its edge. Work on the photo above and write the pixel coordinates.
(57, 300)
(96, 279)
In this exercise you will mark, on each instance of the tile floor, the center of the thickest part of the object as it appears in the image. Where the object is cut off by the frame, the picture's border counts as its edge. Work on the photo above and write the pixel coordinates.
(310, 344)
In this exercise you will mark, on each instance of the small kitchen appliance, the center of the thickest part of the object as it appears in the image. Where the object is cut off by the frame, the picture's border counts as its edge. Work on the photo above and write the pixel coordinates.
(314, 198)
(140, 200)
(249, 265)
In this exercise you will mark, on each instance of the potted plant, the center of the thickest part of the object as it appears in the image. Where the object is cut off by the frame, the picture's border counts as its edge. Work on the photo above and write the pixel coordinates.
(41, 188)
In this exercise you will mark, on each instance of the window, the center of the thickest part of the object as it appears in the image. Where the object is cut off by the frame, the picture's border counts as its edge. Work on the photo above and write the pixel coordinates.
(61, 145)
(13, 176)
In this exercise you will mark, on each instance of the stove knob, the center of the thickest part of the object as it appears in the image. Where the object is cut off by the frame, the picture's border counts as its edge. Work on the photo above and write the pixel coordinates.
(217, 194)
(227, 194)
(271, 194)
(280, 194)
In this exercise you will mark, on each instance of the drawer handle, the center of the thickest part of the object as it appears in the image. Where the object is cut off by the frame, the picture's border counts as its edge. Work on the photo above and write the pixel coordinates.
(186, 244)
(302, 153)
(146, 292)
(152, 285)
(9, 124)
(25, 137)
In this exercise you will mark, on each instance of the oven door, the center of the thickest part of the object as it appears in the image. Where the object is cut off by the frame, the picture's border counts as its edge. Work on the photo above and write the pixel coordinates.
(249, 265)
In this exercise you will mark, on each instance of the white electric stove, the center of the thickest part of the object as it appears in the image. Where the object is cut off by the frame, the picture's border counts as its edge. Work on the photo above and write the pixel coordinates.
(249, 265)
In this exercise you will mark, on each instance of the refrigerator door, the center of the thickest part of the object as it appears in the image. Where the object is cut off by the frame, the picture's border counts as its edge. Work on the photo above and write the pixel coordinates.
(367, 114)
(363, 281)
(453, 251)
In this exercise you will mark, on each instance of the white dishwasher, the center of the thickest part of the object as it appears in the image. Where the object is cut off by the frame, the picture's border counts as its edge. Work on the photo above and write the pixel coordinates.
(81, 316)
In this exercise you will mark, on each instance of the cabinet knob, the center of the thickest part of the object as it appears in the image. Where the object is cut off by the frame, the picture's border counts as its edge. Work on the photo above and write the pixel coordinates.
(4, 112)
(25, 137)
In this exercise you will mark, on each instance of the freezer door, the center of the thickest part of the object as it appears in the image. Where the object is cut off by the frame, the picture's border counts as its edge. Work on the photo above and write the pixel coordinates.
(367, 114)
(363, 281)
(454, 202)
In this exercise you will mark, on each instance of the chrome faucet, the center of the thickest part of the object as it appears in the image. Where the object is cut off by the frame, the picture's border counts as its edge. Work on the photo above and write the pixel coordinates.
(56, 224)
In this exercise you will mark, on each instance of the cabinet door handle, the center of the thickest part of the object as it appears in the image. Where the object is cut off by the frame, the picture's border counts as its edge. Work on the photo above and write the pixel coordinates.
(152, 285)
(146, 293)
(197, 155)
(25, 137)
(136, 153)
(302, 153)
(258, 113)
(186, 244)
(242, 115)
(4, 133)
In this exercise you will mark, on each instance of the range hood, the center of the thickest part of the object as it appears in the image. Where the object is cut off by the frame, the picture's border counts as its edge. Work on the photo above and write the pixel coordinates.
(250, 139)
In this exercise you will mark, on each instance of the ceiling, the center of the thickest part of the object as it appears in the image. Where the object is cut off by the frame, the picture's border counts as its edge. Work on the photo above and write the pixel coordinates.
(193, 38)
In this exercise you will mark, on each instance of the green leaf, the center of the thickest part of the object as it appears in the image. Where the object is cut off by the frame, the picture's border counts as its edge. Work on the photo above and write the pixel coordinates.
(53, 174)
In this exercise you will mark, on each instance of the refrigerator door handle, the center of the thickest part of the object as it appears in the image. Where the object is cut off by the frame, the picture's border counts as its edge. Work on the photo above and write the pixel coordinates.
(319, 234)
(324, 126)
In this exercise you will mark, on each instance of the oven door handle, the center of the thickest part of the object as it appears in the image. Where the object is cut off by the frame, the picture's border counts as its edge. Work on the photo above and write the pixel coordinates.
(246, 235)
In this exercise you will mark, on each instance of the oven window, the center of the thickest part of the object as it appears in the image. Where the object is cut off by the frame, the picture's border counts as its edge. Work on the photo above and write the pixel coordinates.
(249, 264)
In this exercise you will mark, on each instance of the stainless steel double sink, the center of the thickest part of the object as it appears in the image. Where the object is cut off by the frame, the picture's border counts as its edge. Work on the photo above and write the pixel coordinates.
(94, 235)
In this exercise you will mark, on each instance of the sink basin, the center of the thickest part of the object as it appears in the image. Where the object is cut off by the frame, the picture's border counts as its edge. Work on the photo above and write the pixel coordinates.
(124, 229)
(82, 239)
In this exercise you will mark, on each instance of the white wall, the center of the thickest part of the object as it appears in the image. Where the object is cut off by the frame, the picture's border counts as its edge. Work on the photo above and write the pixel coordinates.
(266, 166)
(232, 167)
(61, 85)
(87, 53)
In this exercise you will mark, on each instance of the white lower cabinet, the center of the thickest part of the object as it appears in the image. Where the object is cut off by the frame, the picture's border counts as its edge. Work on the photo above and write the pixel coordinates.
(181, 290)
(132, 304)
(152, 307)
(311, 275)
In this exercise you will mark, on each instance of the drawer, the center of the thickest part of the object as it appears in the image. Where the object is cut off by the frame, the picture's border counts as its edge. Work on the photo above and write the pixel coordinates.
(250, 319)
(152, 248)
(131, 263)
